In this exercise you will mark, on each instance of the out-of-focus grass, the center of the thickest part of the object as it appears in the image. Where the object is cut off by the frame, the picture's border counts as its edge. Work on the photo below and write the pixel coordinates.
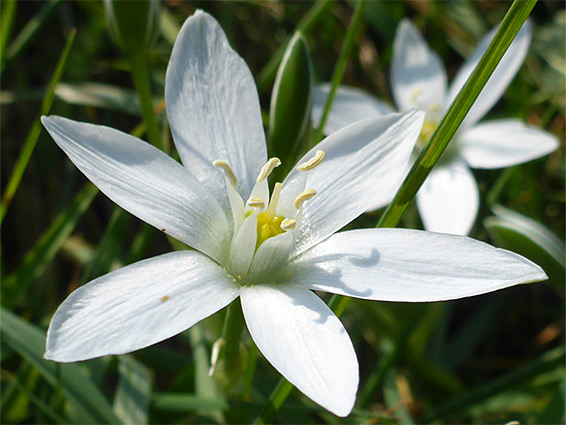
(487, 359)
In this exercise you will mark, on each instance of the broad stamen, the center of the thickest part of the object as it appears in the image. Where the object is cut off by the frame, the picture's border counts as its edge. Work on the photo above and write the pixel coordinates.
(288, 224)
(223, 165)
(274, 200)
(303, 197)
(256, 203)
(312, 163)
(268, 168)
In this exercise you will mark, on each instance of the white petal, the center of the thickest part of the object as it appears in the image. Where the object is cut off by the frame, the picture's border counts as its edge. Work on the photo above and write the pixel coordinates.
(409, 265)
(502, 143)
(418, 77)
(350, 105)
(303, 339)
(144, 181)
(363, 166)
(271, 255)
(213, 107)
(137, 306)
(499, 80)
(448, 201)
(243, 246)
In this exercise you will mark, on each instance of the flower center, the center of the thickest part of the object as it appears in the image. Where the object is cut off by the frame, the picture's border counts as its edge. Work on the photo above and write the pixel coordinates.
(265, 226)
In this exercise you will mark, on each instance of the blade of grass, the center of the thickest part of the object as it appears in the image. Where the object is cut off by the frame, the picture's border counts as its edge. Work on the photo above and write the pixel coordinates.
(108, 248)
(84, 396)
(41, 405)
(131, 400)
(6, 25)
(340, 68)
(268, 72)
(547, 361)
(27, 33)
(33, 135)
(140, 76)
(18, 283)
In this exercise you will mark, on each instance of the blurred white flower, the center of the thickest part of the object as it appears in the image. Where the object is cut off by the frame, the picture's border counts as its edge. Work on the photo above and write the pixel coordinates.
(448, 201)
(271, 250)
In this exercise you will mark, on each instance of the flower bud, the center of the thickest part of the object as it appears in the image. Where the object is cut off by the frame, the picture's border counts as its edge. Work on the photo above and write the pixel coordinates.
(133, 24)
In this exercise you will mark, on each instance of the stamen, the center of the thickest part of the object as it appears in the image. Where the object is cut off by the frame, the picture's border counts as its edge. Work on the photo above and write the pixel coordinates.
(268, 168)
(274, 199)
(223, 165)
(288, 224)
(303, 197)
(415, 95)
(256, 203)
(312, 163)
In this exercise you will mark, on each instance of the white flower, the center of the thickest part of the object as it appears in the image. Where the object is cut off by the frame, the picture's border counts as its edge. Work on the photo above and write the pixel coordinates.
(448, 201)
(271, 250)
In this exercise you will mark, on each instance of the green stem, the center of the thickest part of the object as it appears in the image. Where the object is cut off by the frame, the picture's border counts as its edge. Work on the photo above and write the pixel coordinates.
(141, 82)
(340, 67)
(231, 335)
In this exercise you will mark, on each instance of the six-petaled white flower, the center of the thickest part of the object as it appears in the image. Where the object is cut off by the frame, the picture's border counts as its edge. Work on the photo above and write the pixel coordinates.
(448, 200)
(270, 250)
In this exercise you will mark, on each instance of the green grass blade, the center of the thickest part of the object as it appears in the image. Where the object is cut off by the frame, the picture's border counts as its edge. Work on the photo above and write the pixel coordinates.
(512, 23)
(40, 404)
(108, 249)
(340, 67)
(29, 342)
(33, 135)
(184, 403)
(29, 31)
(7, 23)
(267, 74)
(132, 397)
(547, 361)
(17, 284)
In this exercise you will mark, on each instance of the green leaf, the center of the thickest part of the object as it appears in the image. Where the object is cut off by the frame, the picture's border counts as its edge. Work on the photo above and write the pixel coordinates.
(33, 135)
(18, 283)
(182, 403)
(525, 236)
(29, 341)
(131, 400)
(291, 100)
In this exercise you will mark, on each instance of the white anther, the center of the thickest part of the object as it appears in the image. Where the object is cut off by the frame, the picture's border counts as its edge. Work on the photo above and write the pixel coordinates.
(303, 197)
(223, 165)
(256, 203)
(312, 163)
(288, 224)
(268, 168)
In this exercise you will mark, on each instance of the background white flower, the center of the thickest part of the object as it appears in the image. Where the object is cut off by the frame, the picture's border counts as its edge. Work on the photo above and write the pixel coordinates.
(270, 250)
(448, 201)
